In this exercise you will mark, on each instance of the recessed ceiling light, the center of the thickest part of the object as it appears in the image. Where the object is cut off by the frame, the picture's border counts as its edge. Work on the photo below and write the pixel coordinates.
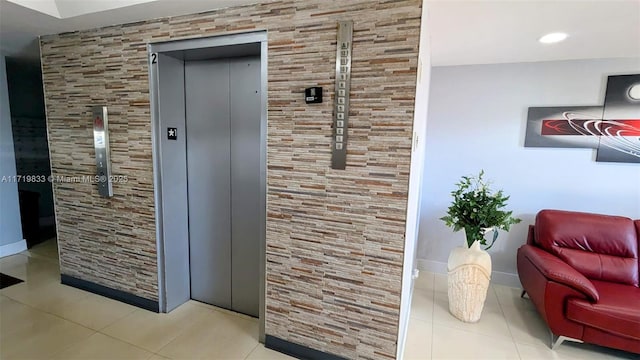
(553, 38)
(634, 92)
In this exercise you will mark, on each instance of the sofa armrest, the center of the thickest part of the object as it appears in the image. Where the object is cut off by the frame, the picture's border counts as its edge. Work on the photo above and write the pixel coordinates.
(553, 268)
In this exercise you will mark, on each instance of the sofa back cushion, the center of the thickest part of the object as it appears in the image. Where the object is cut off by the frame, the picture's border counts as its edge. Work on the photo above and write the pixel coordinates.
(601, 247)
(637, 222)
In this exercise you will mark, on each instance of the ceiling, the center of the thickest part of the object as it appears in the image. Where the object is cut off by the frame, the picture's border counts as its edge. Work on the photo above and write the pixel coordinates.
(461, 32)
(69, 8)
(486, 32)
(22, 21)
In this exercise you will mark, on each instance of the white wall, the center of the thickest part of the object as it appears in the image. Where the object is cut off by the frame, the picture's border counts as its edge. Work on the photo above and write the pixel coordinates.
(415, 179)
(477, 118)
(11, 240)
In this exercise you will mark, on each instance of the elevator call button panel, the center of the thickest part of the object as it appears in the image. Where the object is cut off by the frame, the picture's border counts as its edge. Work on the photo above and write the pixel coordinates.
(101, 146)
(343, 84)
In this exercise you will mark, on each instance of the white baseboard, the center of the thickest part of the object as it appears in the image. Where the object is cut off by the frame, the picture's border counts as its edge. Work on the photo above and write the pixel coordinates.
(497, 277)
(13, 248)
(432, 266)
(507, 279)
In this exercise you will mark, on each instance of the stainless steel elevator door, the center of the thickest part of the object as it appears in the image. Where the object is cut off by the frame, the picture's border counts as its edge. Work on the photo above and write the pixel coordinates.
(208, 179)
(222, 103)
(245, 184)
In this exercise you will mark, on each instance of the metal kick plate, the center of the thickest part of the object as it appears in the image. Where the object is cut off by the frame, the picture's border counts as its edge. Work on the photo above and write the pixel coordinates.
(343, 85)
(101, 145)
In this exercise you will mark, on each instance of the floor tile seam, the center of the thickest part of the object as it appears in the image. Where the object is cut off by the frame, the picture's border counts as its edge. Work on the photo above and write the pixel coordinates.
(182, 330)
(525, 343)
(87, 294)
(93, 332)
(49, 259)
(577, 346)
(498, 297)
(69, 320)
(432, 299)
(436, 291)
(504, 315)
(125, 341)
(111, 322)
(515, 305)
(484, 335)
(433, 309)
(46, 312)
(14, 265)
(505, 337)
(252, 350)
(101, 331)
(223, 311)
(521, 309)
(450, 327)
(49, 312)
(423, 291)
(52, 356)
(26, 254)
(128, 343)
(539, 344)
(70, 345)
(425, 322)
(416, 317)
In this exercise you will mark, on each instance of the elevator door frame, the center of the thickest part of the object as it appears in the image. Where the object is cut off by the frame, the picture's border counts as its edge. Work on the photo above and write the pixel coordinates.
(171, 275)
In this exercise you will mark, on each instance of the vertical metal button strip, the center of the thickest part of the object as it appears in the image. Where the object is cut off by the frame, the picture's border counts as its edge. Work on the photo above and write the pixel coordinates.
(343, 85)
(101, 145)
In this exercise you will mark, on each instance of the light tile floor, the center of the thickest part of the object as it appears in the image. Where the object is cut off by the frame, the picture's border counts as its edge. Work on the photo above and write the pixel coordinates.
(510, 328)
(42, 319)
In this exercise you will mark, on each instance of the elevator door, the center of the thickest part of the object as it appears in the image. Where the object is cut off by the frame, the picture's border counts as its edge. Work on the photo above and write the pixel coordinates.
(222, 101)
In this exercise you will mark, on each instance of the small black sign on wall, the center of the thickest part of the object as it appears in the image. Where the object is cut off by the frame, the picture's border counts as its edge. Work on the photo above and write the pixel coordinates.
(172, 133)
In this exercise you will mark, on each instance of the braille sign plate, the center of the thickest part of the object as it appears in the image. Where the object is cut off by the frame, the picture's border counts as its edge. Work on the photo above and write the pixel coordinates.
(343, 84)
(172, 133)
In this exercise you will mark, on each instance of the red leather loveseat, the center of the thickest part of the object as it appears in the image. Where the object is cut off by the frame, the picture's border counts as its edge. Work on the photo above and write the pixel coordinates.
(581, 271)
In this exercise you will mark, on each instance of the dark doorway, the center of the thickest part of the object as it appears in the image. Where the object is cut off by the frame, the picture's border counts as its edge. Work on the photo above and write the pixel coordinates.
(28, 123)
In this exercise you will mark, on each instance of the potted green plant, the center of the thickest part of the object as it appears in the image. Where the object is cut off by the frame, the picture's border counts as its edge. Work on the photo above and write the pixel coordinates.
(478, 210)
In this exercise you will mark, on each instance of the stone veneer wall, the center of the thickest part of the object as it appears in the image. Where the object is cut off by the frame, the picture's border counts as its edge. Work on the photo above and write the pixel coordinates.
(335, 238)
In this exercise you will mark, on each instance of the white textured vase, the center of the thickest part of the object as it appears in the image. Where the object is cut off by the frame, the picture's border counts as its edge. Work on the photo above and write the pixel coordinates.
(468, 280)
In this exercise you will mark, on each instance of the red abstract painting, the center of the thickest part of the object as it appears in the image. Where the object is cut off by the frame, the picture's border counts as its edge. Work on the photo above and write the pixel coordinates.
(613, 130)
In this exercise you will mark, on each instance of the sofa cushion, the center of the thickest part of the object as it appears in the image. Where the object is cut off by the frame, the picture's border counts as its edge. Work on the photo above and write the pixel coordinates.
(617, 311)
(637, 222)
(601, 247)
